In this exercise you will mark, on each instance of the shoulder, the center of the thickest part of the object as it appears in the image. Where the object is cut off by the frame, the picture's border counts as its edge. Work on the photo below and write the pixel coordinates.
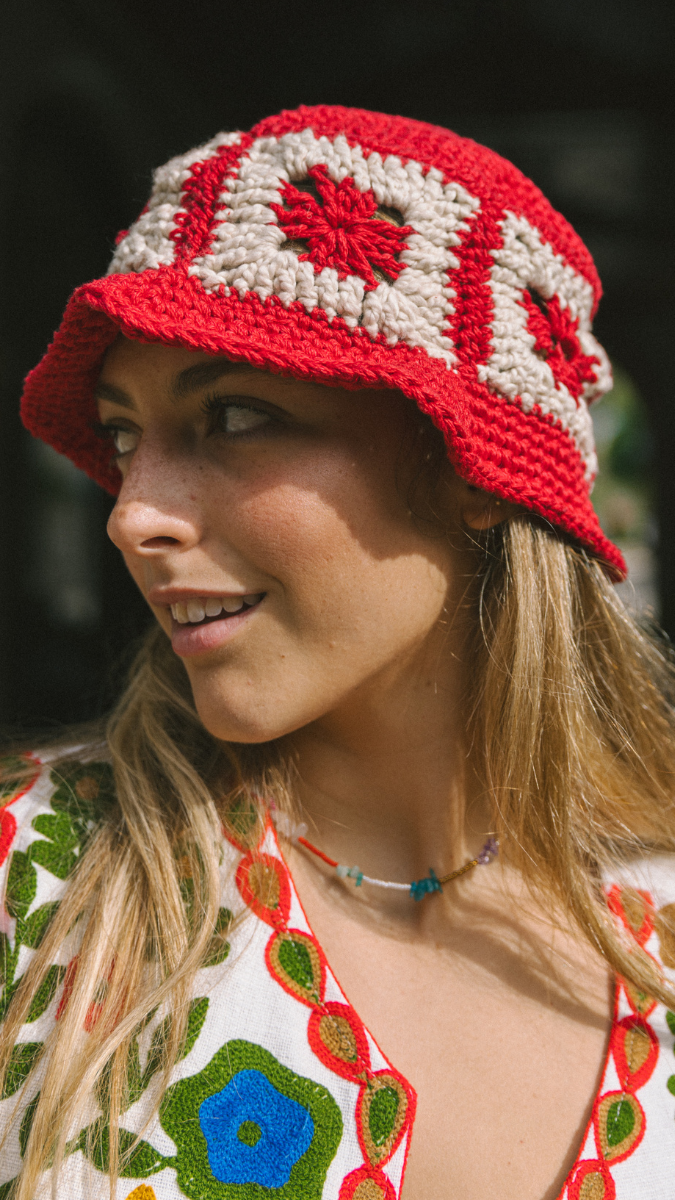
(48, 808)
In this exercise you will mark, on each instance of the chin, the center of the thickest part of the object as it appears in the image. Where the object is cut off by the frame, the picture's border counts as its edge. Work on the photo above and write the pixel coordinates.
(230, 721)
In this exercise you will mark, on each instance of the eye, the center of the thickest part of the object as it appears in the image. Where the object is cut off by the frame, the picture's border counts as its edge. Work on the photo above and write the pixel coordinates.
(124, 440)
(238, 419)
(232, 417)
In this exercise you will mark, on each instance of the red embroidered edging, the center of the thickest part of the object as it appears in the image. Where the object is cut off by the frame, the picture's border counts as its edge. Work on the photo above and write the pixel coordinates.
(632, 1038)
(276, 913)
(310, 991)
(7, 819)
(592, 1166)
(354, 1069)
(371, 1175)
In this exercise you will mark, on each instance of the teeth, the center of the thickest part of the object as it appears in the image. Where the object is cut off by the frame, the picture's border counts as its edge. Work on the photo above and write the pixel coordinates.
(195, 610)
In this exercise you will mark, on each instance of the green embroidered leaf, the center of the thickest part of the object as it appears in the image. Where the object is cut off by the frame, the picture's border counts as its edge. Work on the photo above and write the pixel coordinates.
(382, 1114)
(195, 1021)
(59, 854)
(294, 958)
(620, 1122)
(196, 1018)
(21, 1063)
(5, 1188)
(219, 947)
(156, 1053)
(31, 931)
(8, 960)
(241, 820)
(45, 993)
(138, 1163)
(8, 963)
(671, 1084)
(134, 1081)
(27, 1123)
(670, 1018)
(21, 885)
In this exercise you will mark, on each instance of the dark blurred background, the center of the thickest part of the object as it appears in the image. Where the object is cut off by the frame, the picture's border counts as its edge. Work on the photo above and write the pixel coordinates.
(94, 95)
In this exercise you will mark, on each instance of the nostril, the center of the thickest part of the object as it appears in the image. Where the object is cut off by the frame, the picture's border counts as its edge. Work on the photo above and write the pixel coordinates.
(159, 543)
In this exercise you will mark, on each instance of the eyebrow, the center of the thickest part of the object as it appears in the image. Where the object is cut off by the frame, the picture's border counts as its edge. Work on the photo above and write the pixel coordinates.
(190, 380)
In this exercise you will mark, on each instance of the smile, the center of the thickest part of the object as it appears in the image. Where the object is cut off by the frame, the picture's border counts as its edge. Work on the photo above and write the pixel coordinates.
(195, 612)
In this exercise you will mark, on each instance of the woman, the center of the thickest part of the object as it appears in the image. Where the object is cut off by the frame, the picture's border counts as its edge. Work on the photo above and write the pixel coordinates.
(341, 369)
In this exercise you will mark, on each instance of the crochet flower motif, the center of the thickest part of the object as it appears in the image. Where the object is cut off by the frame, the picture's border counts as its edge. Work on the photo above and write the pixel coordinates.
(254, 1133)
(342, 229)
(556, 337)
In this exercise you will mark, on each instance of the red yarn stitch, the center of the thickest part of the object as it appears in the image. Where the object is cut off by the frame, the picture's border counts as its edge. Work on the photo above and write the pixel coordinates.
(341, 232)
(557, 340)
(524, 457)
(193, 226)
(365, 1174)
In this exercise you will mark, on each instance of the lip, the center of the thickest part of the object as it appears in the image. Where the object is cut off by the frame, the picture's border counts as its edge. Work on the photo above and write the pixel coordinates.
(189, 640)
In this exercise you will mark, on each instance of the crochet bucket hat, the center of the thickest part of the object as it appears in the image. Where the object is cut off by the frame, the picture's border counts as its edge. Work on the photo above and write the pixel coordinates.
(340, 245)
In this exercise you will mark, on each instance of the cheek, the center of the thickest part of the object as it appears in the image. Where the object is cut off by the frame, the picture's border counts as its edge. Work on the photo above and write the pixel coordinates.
(347, 568)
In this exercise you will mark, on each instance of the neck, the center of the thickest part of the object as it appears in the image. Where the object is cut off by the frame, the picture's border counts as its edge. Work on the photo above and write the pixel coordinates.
(383, 782)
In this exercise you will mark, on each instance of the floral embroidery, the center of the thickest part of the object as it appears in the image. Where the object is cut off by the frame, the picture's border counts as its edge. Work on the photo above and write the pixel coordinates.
(142, 1192)
(246, 1123)
(254, 1134)
(385, 1104)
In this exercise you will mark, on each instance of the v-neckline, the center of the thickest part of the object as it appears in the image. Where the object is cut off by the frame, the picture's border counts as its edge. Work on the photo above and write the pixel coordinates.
(599, 1148)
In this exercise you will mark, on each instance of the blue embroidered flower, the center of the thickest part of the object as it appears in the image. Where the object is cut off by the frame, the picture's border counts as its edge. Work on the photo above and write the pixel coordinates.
(253, 1132)
(246, 1117)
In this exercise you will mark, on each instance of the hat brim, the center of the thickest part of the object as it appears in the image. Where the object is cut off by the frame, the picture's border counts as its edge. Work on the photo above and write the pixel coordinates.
(492, 443)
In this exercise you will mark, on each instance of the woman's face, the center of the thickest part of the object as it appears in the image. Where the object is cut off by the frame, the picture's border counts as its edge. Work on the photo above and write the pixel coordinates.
(265, 521)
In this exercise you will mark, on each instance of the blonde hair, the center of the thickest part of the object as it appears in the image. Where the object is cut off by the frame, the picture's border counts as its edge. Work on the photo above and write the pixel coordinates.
(571, 733)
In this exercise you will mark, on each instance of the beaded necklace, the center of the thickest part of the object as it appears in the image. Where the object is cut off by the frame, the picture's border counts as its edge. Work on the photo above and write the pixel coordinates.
(418, 889)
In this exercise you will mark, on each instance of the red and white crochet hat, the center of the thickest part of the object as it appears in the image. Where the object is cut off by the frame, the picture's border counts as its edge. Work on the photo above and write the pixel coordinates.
(340, 245)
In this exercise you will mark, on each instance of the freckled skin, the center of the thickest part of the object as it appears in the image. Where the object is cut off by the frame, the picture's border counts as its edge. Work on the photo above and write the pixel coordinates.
(357, 659)
(310, 511)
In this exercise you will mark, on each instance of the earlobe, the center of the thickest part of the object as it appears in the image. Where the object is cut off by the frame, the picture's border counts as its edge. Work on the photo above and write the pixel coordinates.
(482, 510)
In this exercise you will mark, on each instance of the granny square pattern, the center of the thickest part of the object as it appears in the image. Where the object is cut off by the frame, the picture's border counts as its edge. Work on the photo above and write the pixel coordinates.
(344, 246)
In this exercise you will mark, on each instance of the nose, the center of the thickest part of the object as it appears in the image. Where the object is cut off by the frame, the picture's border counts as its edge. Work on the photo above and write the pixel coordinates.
(156, 510)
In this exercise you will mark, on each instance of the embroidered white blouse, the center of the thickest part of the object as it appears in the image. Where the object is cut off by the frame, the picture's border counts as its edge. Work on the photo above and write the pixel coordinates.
(281, 1091)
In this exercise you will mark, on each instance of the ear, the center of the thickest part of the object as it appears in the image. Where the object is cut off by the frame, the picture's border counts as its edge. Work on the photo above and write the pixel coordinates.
(482, 510)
